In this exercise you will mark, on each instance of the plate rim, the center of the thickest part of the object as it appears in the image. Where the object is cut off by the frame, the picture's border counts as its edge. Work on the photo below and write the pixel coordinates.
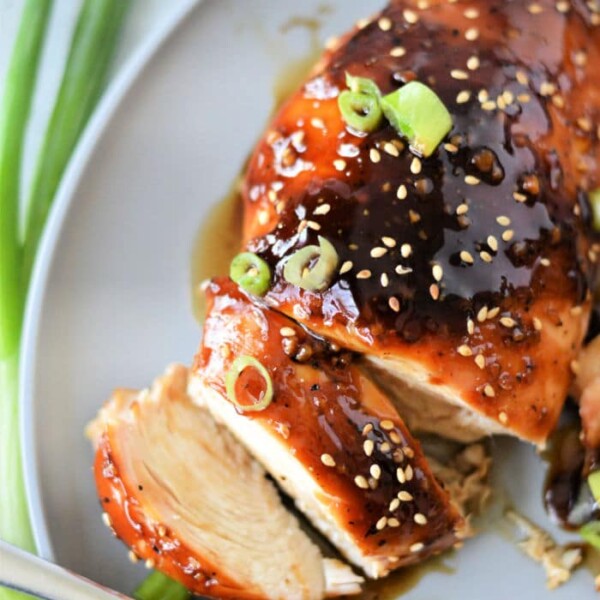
(112, 99)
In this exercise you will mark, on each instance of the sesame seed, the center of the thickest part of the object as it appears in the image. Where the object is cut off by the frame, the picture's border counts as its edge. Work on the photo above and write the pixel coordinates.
(328, 460)
(493, 312)
(384, 447)
(480, 361)
(524, 98)
(391, 149)
(420, 519)
(416, 166)
(535, 8)
(483, 96)
(397, 52)
(339, 164)
(459, 74)
(361, 482)
(537, 324)
(437, 272)
(464, 350)
(346, 266)
(375, 471)
(405, 496)
(434, 291)
(545, 262)
(486, 256)
(402, 192)
(368, 447)
(508, 322)
(378, 252)
(417, 547)
(482, 314)
(386, 425)
(492, 242)
(522, 78)
(409, 452)
(395, 437)
(401, 270)
(472, 180)
(133, 557)
(150, 564)
(410, 16)
(580, 58)
(408, 473)
(488, 390)
(453, 149)
(393, 522)
(317, 123)
(462, 209)
(385, 24)
(374, 155)
(503, 417)
(313, 225)
(563, 6)
(471, 34)
(463, 97)
(394, 304)
(547, 88)
(400, 475)
(466, 257)
(470, 326)
(389, 242)
(473, 63)
(106, 519)
(384, 280)
(508, 97)
(364, 274)
(502, 220)
(367, 428)
(508, 235)
(471, 13)
(489, 105)
(405, 250)
(287, 332)
(381, 523)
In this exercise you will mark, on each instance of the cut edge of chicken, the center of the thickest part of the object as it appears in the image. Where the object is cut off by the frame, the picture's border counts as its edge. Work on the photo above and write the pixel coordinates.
(430, 408)
(154, 498)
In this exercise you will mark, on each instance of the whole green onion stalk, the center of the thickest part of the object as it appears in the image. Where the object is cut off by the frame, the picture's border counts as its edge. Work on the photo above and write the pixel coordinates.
(92, 47)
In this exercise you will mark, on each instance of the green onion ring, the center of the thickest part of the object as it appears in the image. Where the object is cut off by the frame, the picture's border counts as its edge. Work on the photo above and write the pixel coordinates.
(251, 273)
(594, 483)
(417, 113)
(297, 270)
(595, 204)
(590, 532)
(241, 363)
(359, 104)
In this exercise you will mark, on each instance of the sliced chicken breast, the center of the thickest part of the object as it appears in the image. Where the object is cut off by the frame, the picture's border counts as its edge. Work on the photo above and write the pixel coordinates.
(189, 500)
(329, 437)
(465, 275)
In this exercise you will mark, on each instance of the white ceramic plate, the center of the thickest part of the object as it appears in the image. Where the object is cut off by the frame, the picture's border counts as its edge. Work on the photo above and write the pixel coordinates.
(111, 300)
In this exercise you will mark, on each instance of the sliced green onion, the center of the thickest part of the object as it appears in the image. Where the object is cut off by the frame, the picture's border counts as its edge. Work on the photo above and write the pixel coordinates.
(417, 113)
(240, 364)
(362, 85)
(594, 483)
(595, 204)
(160, 587)
(316, 278)
(359, 104)
(251, 273)
(590, 532)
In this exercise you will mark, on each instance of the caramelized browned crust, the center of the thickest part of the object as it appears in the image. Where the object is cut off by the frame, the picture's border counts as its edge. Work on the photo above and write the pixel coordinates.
(501, 207)
(369, 471)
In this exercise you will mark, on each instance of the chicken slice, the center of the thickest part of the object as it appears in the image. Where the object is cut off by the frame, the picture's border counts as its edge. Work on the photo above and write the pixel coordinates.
(188, 499)
(330, 437)
(465, 275)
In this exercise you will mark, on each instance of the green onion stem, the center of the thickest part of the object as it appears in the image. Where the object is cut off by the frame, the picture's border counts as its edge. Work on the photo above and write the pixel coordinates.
(160, 587)
(92, 49)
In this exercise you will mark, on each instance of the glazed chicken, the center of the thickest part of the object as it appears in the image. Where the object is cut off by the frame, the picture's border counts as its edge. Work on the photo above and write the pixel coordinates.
(392, 289)
(197, 506)
(464, 277)
(330, 438)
